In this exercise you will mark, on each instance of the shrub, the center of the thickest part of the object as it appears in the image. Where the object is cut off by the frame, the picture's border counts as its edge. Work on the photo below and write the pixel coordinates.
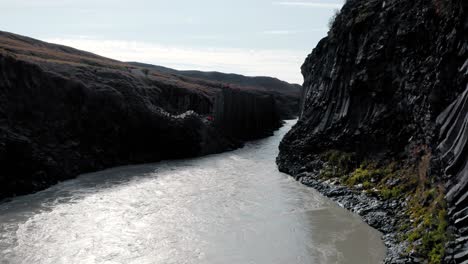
(428, 211)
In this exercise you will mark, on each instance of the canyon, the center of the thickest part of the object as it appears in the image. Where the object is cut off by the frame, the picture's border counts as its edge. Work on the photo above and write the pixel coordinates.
(382, 130)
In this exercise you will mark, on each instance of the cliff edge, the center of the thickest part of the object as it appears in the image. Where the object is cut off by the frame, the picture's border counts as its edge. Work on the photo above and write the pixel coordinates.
(287, 95)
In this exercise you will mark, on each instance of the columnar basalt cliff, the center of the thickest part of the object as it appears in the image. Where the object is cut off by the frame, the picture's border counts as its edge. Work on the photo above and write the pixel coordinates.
(243, 116)
(64, 112)
(453, 154)
(286, 95)
(383, 128)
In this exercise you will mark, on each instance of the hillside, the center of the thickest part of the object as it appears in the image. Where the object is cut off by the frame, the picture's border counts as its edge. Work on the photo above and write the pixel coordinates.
(64, 112)
(287, 95)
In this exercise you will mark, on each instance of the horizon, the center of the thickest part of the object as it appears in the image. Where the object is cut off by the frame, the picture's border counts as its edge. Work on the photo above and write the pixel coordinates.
(251, 39)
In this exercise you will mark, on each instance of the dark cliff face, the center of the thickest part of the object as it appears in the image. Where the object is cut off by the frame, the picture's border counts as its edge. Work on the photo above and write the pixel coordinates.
(386, 87)
(452, 152)
(286, 95)
(64, 112)
(244, 122)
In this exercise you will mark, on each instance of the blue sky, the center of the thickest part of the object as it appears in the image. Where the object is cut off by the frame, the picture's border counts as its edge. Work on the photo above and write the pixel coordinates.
(251, 37)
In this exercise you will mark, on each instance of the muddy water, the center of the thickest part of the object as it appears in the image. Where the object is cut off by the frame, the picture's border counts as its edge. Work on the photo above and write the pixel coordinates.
(229, 208)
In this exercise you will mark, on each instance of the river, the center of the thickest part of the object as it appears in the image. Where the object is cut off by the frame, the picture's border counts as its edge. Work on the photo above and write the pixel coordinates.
(233, 207)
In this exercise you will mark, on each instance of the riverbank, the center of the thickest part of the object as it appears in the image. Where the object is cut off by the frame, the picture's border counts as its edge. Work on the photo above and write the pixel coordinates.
(377, 213)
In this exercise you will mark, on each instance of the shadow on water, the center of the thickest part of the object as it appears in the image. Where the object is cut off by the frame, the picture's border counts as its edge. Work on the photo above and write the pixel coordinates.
(72, 191)
(233, 207)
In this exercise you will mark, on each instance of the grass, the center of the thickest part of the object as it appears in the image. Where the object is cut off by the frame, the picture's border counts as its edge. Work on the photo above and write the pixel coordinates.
(338, 163)
(426, 225)
(391, 193)
(427, 209)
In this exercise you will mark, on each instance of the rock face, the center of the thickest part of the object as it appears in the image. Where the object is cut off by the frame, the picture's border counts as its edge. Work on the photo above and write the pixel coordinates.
(453, 153)
(64, 112)
(286, 95)
(245, 122)
(388, 85)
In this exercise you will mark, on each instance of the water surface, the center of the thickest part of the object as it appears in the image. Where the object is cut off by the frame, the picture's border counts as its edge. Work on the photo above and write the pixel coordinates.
(229, 208)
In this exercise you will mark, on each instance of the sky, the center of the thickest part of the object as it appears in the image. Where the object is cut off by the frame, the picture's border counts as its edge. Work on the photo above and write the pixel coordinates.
(250, 37)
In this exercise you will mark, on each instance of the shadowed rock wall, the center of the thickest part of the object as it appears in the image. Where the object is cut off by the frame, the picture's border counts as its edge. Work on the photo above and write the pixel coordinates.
(64, 112)
(242, 115)
(453, 153)
(382, 86)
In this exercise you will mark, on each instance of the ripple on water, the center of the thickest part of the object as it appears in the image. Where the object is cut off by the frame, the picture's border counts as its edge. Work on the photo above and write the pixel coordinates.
(229, 208)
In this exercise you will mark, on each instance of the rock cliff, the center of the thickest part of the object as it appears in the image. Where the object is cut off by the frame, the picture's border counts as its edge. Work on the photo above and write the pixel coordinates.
(286, 95)
(385, 114)
(64, 112)
(453, 154)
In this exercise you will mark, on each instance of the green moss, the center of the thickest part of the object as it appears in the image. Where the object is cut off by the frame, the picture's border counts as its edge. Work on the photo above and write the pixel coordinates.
(414, 235)
(392, 193)
(374, 177)
(404, 227)
(338, 164)
(360, 175)
(328, 172)
(368, 173)
(428, 211)
(344, 161)
(367, 185)
(426, 205)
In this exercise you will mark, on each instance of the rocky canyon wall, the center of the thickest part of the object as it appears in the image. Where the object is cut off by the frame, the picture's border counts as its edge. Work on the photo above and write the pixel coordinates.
(245, 115)
(384, 114)
(64, 112)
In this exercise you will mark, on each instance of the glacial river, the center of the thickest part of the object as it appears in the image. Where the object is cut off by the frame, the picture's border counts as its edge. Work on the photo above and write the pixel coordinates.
(233, 207)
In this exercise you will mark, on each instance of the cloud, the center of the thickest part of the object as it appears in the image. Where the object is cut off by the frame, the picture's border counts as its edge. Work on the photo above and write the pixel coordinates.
(309, 4)
(283, 64)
